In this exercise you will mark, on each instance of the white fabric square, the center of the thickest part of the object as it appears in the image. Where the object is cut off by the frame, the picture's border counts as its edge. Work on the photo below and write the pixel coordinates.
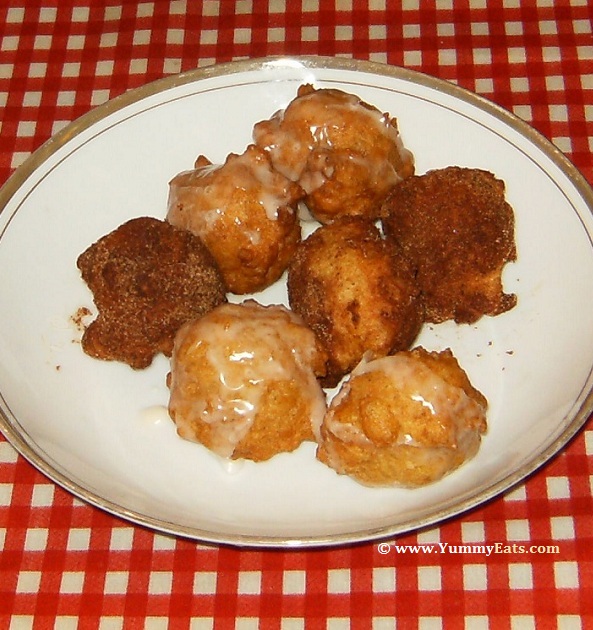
(276, 34)
(517, 530)
(175, 36)
(477, 622)
(242, 36)
(48, 14)
(163, 542)
(309, 33)
(42, 42)
(475, 577)
(430, 536)
(558, 113)
(160, 582)
(10, 42)
(28, 582)
(26, 129)
(344, 32)
(558, 488)
(70, 69)
(384, 580)
(294, 582)
(72, 582)
(581, 27)
(15, 16)
(587, 82)
(338, 581)
(7, 454)
(208, 37)
(36, 539)
(138, 66)
(32, 99)
(551, 53)
(448, 57)
(445, 29)
(249, 583)
(141, 37)
(378, 32)
(104, 68)
(99, 96)
(411, 30)
(521, 576)
(566, 574)
(145, 9)
(76, 42)
(108, 40)
(64, 622)
(569, 622)
(522, 622)
(429, 578)
(555, 83)
(112, 13)
(78, 539)
(243, 7)
(562, 528)
(472, 532)
(80, 14)
(205, 583)
(430, 623)
(480, 28)
(66, 98)
(122, 539)
(116, 582)
(519, 84)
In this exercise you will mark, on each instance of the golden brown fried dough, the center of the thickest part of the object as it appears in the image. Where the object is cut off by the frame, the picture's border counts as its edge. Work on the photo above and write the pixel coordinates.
(243, 381)
(457, 228)
(343, 152)
(356, 291)
(147, 279)
(244, 212)
(403, 420)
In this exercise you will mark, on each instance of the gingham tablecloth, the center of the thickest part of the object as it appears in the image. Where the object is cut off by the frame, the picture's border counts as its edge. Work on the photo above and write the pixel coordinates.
(64, 564)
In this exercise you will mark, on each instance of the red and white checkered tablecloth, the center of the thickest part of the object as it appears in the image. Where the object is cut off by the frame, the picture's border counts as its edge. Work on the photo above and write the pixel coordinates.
(65, 564)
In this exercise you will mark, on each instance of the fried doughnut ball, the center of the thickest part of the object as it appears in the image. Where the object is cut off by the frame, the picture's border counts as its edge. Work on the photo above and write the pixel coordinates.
(356, 291)
(243, 381)
(403, 420)
(245, 213)
(147, 279)
(345, 153)
(456, 226)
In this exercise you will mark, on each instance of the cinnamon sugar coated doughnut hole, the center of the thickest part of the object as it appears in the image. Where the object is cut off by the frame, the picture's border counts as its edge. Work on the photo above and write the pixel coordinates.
(403, 420)
(243, 381)
(356, 291)
(343, 152)
(244, 211)
(147, 279)
(458, 229)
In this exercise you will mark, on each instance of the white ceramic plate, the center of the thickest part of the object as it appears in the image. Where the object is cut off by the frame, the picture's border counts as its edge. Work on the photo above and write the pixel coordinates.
(98, 428)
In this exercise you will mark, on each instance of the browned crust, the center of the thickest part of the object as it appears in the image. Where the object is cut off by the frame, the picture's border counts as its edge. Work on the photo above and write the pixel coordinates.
(147, 278)
(456, 226)
(356, 291)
